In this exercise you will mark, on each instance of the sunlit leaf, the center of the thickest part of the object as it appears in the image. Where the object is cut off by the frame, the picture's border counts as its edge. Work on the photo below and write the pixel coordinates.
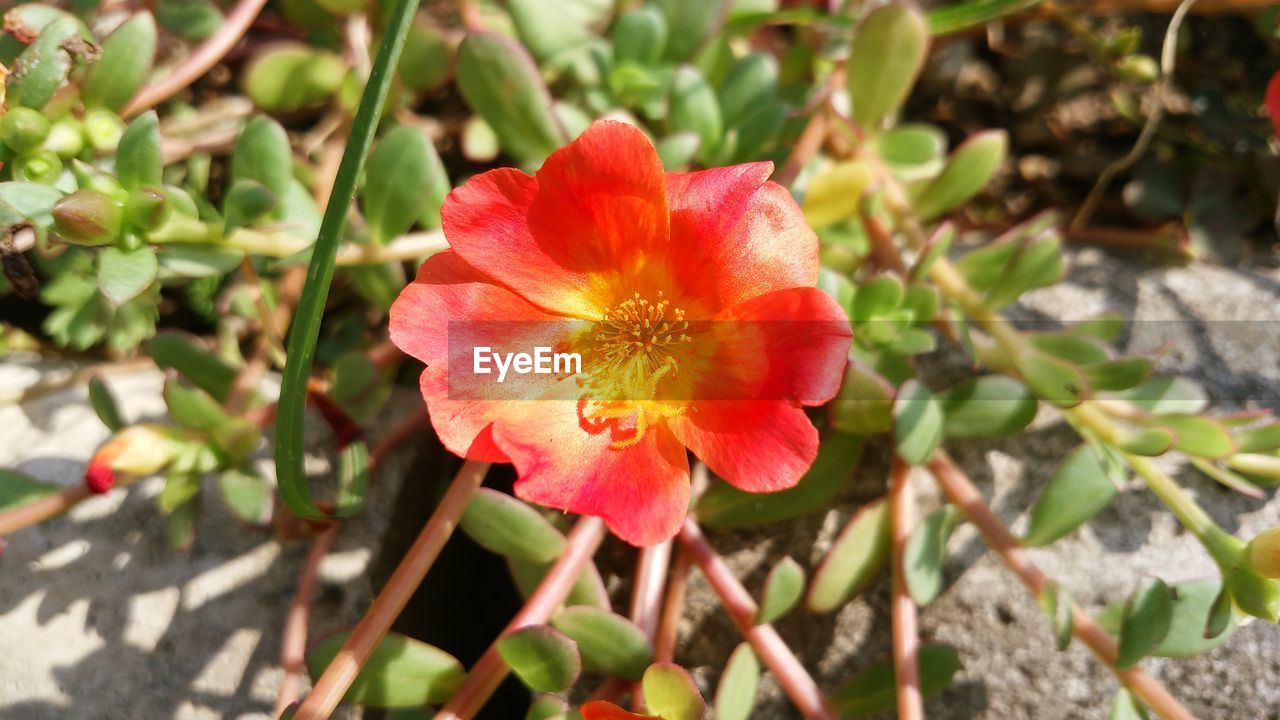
(1078, 490)
(542, 657)
(855, 558)
(400, 672)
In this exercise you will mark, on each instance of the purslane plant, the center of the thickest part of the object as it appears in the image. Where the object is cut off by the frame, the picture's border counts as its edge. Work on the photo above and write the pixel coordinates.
(596, 251)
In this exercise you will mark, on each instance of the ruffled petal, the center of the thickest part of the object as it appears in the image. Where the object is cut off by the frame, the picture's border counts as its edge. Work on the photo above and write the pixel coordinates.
(762, 446)
(594, 213)
(450, 297)
(641, 490)
(735, 235)
(605, 710)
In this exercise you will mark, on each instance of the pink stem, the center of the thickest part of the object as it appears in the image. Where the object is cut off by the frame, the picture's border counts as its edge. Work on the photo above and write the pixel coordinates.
(199, 62)
(293, 644)
(962, 493)
(906, 634)
(784, 665)
(42, 508)
(491, 669)
(333, 684)
(664, 645)
(646, 600)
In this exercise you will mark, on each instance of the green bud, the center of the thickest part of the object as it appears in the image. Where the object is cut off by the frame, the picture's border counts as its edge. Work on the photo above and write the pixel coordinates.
(89, 178)
(88, 217)
(40, 166)
(148, 208)
(23, 129)
(66, 138)
(102, 129)
(1257, 596)
(1138, 68)
(1126, 41)
(1263, 553)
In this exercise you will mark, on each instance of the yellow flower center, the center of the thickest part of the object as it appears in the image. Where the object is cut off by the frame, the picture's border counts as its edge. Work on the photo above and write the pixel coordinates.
(637, 343)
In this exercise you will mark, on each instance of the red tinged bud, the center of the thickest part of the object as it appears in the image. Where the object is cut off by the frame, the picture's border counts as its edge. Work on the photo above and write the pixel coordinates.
(99, 477)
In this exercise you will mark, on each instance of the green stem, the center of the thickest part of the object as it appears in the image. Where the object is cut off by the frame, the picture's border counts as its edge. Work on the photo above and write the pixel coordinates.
(306, 324)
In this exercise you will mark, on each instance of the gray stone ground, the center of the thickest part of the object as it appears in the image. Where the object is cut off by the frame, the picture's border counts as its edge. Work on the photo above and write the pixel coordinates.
(99, 619)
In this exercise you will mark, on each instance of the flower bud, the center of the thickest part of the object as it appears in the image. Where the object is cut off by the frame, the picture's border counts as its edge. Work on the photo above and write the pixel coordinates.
(23, 129)
(102, 129)
(88, 217)
(1257, 596)
(1263, 553)
(135, 452)
(1138, 68)
(39, 166)
(147, 208)
(65, 138)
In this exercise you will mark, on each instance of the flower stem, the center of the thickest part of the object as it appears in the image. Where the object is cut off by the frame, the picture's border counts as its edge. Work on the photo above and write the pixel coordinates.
(293, 643)
(333, 684)
(664, 644)
(962, 493)
(200, 61)
(784, 665)
(42, 508)
(646, 600)
(491, 669)
(906, 633)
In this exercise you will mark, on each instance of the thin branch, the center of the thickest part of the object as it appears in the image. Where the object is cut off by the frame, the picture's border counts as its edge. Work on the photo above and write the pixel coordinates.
(807, 145)
(766, 642)
(962, 493)
(200, 61)
(293, 643)
(42, 509)
(407, 428)
(333, 684)
(664, 644)
(1168, 57)
(906, 632)
(491, 669)
(646, 599)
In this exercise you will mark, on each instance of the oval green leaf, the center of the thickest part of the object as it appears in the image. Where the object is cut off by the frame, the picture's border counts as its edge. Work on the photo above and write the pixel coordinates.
(736, 691)
(1147, 617)
(1078, 490)
(872, 691)
(989, 406)
(782, 588)
(889, 50)
(400, 672)
(126, 59)
(607, 641)
(855, 558)
(542, 657)
(917, 423)
(507, 526)
(670, 693)
(925, 552)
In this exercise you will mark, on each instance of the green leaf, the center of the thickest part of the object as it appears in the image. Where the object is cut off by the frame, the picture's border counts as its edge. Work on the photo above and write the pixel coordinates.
(1227, 478)
(989, 406)
(546, 707)
(1261, 439)
(872, 690)
(1055, 601)
(877, 298)
(1072, 347)
(196, 260)
(27, 202)
(189, 19)
(1221, 616)
(855, 558)
(40, 69)
(588, 589)
(1078, 490)
(917, 423)
(607, 641)
(1149, 442)
(1126, 707)
(691, 24)
(670, 693)
(507, 526)
(783, 586)
(1197, 435)
(751, 83)
(247, 494)
(426, 62)
(138, 160)
(1254, 595)
(925, 552)
(180, 527)
(724, 506)
(124, 65)
(501, 83)
(835, 192)
(17, 489)
(912, 152)
(104, 405)
(1163, 395)
(124, 274)
(1054, 380)
(970, 167)
(889, 49)
(193, 408)
(1146, 620)
(865, 403)
(402, 171)
(949, 19)
(640, 36)
(179, 489)
(552, 28)
(1193, 610)
(353, 479)
(400, 672)
(736, 691)
(542, 657)
(292, 76)
(1121, 374)
(194, 362)
(305, 330)
(262, 154)
(677, 150)
(695, 109)
(247, 202)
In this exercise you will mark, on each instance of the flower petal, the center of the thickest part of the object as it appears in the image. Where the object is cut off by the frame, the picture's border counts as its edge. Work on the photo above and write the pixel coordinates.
(735, 235)
(596, 209)
(641, 491)
(605, 710)
(760, 446)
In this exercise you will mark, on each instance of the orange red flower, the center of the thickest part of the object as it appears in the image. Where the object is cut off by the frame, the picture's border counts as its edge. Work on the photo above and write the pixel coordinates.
(690, 298)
